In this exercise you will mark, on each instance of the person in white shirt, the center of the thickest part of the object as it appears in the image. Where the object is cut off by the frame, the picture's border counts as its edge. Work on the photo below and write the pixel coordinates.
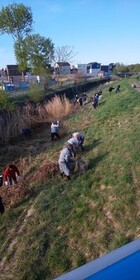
(54, 130)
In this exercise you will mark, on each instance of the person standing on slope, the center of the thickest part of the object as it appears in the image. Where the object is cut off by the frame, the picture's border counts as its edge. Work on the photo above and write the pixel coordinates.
(54, 130)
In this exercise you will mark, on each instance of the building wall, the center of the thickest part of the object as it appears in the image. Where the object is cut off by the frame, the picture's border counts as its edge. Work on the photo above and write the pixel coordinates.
(93, 68)
(94, 72)
(64, 70)
(82, 68)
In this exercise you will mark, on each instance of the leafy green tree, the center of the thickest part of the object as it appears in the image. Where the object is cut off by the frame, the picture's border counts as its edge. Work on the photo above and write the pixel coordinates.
(120, 67)
(136, 67)
(21, 54)
(39, 51)
(16, 20)
(123, 69)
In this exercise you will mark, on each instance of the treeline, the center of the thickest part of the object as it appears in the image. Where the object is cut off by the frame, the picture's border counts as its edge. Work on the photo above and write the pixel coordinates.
(120, 67)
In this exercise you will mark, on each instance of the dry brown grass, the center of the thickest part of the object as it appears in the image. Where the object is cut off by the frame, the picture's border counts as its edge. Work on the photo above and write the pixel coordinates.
(12, 122)
(46, 171)
(58, 108)
(10, 195)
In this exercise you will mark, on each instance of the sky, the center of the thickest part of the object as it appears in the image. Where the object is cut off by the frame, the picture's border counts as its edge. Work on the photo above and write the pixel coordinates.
(105, 31)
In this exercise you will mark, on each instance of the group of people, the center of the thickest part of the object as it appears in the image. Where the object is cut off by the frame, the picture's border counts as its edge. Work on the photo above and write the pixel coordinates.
(81, 100)
(11, 175)
(67, 157)
(117, 89)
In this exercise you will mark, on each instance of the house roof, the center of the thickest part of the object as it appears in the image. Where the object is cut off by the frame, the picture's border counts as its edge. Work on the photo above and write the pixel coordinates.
(63, 63)
(93, 63)
(12, 70)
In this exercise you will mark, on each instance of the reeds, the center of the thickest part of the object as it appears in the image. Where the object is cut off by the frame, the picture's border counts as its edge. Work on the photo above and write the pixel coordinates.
(12, 122)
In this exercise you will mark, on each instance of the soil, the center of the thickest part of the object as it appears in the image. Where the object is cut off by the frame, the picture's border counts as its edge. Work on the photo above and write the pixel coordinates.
(11, 194)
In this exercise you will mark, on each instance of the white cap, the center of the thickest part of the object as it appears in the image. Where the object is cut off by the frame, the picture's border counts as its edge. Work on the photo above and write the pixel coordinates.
(70, 142)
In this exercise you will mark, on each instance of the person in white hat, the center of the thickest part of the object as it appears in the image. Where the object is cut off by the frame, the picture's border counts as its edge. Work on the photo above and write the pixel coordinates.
(80, 138)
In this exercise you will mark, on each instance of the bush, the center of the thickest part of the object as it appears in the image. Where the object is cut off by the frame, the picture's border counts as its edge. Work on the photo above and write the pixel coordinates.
(36, 92)
(5, 102)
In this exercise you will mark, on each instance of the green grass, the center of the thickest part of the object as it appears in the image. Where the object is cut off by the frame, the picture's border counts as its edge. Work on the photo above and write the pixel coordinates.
(61, 225)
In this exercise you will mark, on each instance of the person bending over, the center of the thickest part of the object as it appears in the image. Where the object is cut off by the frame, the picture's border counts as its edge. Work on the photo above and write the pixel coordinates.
(66, 161)
(10, 174)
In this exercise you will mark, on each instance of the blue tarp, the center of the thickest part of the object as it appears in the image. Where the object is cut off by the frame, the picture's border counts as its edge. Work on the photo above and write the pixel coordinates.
(125, 269)
(23, 85)
(9, 87)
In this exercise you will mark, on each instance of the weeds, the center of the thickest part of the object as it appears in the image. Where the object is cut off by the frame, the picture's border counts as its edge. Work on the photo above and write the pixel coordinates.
(12, 122)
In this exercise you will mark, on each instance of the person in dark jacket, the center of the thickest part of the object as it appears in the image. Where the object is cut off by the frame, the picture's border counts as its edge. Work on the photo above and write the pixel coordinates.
(95, 100)
(10, 174)
(1, 206)
(117, 89)
(26, 132)
(110, 89)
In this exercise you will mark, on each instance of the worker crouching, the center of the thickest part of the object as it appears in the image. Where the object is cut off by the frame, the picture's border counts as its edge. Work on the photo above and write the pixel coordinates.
(10, 174)
(66, 161)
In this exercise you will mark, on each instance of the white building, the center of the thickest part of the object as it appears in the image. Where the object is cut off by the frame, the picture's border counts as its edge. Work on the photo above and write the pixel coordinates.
(82, 69)
(62, 68)
(93, 68)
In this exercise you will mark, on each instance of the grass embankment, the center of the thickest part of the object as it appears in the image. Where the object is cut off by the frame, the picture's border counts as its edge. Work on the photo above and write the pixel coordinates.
(63, 224)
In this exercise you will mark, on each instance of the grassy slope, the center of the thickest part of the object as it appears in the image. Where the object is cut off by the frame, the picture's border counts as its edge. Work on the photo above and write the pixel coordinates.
(61, 225)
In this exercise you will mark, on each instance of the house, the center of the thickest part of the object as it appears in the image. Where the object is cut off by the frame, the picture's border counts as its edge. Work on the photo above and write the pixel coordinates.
(74, 69)
(12, 73)
(107, 69)
(82, 69)
(62, 68)
(101, 74)
(93, 68)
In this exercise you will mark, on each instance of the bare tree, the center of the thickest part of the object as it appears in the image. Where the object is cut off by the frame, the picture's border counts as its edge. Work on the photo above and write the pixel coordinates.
(64, 54)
